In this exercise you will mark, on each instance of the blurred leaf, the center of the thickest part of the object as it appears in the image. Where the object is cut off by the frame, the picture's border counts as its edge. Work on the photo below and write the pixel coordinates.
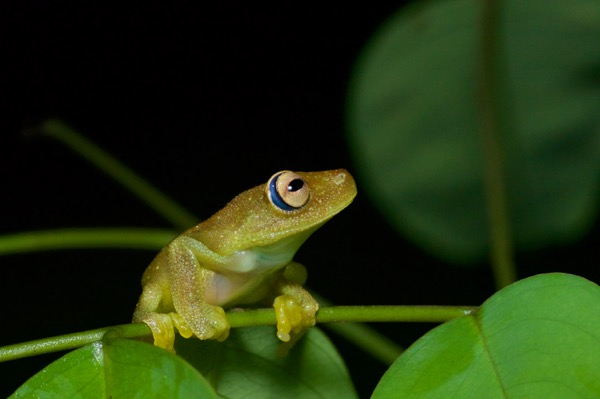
(537, 338)
(117, 369)
(414, 122)
(247, 365)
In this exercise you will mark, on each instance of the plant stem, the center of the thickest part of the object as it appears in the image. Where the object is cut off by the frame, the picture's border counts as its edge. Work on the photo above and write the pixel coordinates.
(68, 341)
(160, 202)
(422, 314)
(244, 318)
(134, 238)
(501, 252)
(363, 336)
(371, 341)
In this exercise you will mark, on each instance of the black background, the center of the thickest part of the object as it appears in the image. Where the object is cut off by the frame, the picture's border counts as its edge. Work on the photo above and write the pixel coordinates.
(204, 101)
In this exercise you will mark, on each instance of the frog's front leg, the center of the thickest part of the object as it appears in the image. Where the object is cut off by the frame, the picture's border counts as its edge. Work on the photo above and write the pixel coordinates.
(295, 308)
(174, 295)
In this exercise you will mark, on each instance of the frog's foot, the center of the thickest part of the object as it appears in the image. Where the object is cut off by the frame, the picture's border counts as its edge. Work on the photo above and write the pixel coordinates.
(162, 330)
(295, 313)
(205, 322)
(214, 325)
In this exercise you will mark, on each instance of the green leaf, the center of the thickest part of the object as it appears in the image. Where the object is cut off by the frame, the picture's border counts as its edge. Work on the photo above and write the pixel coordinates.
(537, 338)
(247, 365)
(117, 369)
(415, 121)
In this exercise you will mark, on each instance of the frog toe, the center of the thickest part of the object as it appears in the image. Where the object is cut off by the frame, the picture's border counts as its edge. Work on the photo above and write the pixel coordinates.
(163, 333)
(292, 317)
(219, 324)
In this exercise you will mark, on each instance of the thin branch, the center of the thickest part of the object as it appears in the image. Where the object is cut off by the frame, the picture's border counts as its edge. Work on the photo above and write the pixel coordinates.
(501, 253)
(157, 200)
(72, 238)
(240, 318)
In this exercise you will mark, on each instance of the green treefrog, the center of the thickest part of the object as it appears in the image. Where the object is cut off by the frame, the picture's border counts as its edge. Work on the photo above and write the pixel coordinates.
(243, 255)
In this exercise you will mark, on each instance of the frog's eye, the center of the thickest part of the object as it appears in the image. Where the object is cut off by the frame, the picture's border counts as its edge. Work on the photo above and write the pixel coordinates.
(287, 191)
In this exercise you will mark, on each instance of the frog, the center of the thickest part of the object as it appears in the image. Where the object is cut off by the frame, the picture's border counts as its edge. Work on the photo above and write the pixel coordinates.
(243, 256)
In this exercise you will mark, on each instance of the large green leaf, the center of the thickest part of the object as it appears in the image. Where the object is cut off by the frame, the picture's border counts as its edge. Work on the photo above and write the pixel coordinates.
(537, 338)
(247, 365)
(415, 118)
(117, 369)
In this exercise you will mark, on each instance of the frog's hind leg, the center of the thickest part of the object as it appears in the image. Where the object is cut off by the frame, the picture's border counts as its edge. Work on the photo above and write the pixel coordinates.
(160, 324)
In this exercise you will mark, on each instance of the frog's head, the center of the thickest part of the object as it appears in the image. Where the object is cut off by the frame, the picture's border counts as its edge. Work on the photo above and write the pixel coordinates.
(287, 209)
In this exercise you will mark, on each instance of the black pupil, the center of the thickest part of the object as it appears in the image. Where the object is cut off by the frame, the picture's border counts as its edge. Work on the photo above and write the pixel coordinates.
(295, 185)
